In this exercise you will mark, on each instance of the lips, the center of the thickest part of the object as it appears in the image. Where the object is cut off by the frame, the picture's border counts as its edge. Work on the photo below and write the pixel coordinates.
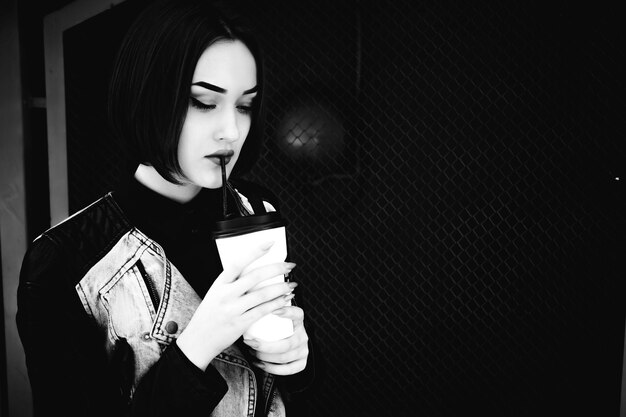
(216, 157)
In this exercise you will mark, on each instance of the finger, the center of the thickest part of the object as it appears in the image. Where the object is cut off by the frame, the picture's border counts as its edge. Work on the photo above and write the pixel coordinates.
(263, 295)
(266, 272)
(297, 339)
(234, 268)
(296, 314)
(260, 310)
(282, 369)
(300, 352)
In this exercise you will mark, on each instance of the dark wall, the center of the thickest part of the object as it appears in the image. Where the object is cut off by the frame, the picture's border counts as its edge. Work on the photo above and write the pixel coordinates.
(458, 226)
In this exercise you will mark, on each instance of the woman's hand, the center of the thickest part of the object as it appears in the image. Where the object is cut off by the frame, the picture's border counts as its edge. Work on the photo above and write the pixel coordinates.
(231, 305)
(287, 356)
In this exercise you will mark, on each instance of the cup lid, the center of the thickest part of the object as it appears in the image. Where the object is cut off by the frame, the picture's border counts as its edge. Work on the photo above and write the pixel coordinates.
(247, 224)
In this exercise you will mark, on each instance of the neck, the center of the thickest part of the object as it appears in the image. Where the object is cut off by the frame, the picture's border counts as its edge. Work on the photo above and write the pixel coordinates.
(149, 177)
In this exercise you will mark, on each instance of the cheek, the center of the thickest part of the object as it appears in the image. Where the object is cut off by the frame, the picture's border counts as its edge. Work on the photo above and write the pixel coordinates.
(191, 136)
(244, 137)
(245, 130)
(184, 148)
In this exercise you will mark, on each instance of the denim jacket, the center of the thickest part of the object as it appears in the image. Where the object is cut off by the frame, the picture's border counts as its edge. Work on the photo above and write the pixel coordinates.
(134, 294)
(149, 306)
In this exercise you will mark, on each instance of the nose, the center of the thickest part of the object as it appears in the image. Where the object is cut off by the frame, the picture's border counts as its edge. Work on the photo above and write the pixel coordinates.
(229, 126)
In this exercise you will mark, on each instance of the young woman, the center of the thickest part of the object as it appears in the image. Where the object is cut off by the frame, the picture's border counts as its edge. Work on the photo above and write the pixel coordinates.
(123, 308)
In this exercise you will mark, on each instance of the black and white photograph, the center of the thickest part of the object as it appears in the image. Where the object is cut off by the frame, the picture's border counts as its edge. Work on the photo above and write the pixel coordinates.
(329, 208)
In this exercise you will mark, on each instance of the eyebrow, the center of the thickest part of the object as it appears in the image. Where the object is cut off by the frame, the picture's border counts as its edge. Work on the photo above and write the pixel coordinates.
(221, 90)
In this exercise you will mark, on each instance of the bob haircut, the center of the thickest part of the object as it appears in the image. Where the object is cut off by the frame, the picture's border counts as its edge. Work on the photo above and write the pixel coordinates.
(151, 80)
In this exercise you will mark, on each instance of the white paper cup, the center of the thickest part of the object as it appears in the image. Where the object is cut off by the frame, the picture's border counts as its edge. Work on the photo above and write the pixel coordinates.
(237, 236)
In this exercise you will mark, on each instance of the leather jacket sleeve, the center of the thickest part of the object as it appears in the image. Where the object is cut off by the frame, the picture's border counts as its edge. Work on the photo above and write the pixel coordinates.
(297, 388)
(69, 371)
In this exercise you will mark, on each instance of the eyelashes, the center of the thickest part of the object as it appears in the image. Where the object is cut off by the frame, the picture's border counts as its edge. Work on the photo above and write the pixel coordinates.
(197, 104)
(244, 109)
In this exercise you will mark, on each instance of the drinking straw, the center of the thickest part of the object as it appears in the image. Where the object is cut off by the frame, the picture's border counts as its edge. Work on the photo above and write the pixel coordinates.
(227, 186)
(224, 198)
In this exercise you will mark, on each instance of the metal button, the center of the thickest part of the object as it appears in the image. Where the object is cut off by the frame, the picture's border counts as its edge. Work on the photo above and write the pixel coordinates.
(171, 327)
(146, 336)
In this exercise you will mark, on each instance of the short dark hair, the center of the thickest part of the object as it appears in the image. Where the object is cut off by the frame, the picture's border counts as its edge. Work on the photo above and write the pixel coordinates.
(151, 79)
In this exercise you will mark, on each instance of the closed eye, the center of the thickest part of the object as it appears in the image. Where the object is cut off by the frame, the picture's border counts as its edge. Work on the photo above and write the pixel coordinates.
(200, 105)
(244, 109)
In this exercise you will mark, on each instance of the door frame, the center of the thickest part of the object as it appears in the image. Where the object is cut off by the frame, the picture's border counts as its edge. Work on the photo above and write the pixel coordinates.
(55, 24)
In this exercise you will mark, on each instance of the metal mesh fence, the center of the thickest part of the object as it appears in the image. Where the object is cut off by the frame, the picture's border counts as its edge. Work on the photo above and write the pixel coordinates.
(448, 172)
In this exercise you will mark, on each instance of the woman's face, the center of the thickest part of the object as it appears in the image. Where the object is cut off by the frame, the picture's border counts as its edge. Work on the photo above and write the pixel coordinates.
(218, 119)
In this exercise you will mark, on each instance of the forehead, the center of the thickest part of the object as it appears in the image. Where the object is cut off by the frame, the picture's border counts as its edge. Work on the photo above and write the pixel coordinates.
(228, 64)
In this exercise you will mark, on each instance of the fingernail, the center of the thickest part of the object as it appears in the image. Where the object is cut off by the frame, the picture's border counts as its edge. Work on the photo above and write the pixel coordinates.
(289, 297)
(280, 312)
(290, 266)
(267, 245)
(259, 364)
(252, 343)
(292, 285)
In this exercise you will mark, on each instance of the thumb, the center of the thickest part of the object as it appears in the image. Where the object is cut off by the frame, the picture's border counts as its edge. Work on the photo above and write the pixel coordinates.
(237, 262)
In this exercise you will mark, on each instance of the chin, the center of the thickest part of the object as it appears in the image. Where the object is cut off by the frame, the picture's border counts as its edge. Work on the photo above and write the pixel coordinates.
(211, 178)
(212, 184)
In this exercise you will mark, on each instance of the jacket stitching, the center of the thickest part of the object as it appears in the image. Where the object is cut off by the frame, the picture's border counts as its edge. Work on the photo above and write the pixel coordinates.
(229, 358)
(224, 357)
(116, 277)
(251, 393)
(164, 303)
(146, 241)
(83, 300)
(269, 381)
(122, 270)
(158, 252)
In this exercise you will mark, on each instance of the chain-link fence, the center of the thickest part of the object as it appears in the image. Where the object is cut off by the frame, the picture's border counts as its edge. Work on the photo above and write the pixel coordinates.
(448, 172)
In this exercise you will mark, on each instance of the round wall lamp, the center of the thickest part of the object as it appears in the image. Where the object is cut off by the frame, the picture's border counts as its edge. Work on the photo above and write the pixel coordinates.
(311, 132)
